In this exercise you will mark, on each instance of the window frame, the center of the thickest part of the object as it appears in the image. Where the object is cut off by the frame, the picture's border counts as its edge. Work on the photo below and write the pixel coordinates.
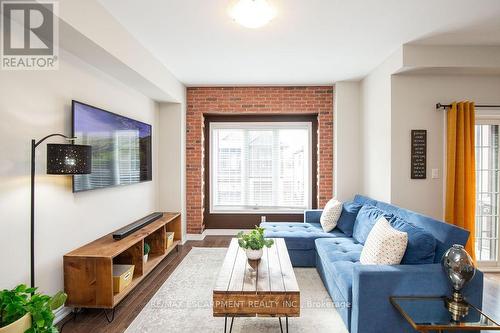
(257, 126)
(487, 117)
(250, 220)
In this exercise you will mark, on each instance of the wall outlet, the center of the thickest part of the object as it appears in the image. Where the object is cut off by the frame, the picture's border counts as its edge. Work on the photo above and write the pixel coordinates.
(262, 219)
(435, 173)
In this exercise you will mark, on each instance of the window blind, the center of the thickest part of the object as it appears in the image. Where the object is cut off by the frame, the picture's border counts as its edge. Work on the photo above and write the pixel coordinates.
(260, 167)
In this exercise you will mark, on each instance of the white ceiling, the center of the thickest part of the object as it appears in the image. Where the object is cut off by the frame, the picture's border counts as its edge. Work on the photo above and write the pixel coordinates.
(309, 42)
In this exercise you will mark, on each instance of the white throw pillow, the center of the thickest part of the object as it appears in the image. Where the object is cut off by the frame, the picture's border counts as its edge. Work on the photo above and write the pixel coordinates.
(384, 245)
(330, 215)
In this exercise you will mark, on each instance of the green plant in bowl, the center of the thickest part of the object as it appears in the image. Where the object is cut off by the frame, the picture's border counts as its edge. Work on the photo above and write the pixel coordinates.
(147, 249)
(253, 242)
(20, 301)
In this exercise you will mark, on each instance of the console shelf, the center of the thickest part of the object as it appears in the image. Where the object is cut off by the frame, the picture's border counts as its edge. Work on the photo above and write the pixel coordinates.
(88, 270)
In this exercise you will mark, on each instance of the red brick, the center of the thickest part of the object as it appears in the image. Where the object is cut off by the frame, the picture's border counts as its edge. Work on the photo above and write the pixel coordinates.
(254, 100)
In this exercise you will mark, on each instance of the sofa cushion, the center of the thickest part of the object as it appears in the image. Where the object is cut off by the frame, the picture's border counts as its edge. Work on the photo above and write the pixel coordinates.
(385, 245)
(341, 303)
(445, 234)
(421, 247)
(366, 219)
(339, 249)
(346, 221)
(330, 215)
(298, 235)
(338, 257)
(342, 272)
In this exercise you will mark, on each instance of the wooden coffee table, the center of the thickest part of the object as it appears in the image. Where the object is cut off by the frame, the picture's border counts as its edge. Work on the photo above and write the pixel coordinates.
(264, 288)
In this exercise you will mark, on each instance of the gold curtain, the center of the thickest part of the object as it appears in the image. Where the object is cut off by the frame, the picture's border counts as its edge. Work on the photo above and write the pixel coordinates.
(461, 170)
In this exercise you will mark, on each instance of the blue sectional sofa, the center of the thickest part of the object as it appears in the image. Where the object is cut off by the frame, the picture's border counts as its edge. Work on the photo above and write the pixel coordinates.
(361, 292)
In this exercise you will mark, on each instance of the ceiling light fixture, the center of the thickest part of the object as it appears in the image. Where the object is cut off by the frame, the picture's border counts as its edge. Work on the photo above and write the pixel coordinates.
(252, 13)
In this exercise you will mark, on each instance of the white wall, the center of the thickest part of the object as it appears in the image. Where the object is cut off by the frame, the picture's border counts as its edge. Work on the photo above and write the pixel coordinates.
(375, 129)
(37, 103)
(347, 140)
(172, 138)
(454, 59)
(413, 107)
(106, 44)
(400, 95)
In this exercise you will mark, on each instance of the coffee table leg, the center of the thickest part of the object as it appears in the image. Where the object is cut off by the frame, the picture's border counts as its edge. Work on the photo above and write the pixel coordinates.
(286, 324)
(225, 324)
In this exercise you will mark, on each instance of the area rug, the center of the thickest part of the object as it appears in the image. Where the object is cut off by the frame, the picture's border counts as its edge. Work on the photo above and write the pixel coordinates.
(183, 303)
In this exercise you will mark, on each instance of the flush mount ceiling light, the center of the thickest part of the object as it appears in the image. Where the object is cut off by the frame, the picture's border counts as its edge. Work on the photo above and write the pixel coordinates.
(252, 13)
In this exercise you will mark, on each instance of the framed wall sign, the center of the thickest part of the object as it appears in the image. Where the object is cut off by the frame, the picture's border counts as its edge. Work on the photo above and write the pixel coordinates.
(418, 154)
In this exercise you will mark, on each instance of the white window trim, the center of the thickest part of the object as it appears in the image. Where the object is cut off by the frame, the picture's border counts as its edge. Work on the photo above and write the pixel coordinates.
(259, 125)
(488, 117)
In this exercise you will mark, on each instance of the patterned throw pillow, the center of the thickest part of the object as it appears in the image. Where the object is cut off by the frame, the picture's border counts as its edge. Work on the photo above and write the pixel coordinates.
(384, 245)
(330, 215)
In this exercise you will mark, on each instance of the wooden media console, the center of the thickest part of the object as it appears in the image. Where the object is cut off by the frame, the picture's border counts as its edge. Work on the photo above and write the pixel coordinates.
(88, 270)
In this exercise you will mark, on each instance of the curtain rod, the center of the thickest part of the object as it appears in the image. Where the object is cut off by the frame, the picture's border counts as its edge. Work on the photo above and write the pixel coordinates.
(445, 106)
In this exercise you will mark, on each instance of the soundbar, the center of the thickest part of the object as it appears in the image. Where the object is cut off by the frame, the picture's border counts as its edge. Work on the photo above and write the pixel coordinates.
(132, 227)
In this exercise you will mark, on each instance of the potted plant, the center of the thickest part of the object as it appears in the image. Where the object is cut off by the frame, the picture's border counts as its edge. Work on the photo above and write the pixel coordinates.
(147, 249)
(22, 309)
(253, 243)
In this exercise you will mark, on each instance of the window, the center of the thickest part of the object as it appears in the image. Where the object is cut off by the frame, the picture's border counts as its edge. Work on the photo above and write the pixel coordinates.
(487, 191)
(260, 167)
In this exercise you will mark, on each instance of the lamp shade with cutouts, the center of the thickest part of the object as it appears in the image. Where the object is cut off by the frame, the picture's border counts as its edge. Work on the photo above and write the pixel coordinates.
(69, 159)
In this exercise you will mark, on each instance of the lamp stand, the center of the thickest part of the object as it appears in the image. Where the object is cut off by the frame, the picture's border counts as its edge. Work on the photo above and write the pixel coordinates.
(34, 145)
(32, 218)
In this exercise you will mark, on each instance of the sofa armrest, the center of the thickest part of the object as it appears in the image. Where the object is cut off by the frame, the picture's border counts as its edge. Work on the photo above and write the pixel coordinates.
(312, 215)
(374, 284)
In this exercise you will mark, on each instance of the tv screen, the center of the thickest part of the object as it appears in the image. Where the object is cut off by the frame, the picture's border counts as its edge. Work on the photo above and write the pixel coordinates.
(121, 148)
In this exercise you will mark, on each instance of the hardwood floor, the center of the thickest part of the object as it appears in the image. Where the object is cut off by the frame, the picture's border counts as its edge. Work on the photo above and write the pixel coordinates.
(92, 320)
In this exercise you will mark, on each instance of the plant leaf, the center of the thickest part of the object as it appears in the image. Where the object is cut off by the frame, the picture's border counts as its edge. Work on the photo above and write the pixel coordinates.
(58, 300)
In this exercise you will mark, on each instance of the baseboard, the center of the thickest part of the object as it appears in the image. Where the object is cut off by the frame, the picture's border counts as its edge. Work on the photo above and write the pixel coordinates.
(214, 232)
(61, 313)
(490, 269)
(195, 237)
(223, 232)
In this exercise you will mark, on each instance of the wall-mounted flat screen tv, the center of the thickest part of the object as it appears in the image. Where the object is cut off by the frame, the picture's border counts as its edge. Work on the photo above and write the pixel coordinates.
(121, 148)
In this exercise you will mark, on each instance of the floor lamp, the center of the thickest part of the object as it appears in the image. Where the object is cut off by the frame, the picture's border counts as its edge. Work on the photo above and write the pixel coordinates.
(62, 159)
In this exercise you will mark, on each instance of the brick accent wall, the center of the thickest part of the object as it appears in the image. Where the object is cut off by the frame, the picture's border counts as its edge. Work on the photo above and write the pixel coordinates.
(253, 100)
